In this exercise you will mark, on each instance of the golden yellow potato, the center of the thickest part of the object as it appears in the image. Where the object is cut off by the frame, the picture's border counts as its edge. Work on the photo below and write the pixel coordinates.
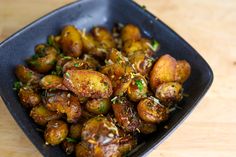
(75, 130)
(28, 97)
(41, 115)
(147, 128)
(78, 64)
(88, 42)
(27, 76)
(98, 106)
(163, 71)
(88, 83)
(44, 59)
(116, 56)
(52, 82)
(55, 132)
(151, 111)
(183, 70)
(63, 102)
(71, 41)
(169, 92)
(130, 32)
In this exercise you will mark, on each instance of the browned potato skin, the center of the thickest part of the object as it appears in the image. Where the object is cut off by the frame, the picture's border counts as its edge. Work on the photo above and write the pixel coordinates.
(44, 63)
(183, 70)
(130, 32)
(76, 130)
(88, 83)
(91, 59)
(25, 75)
(28, 97)
(88, 42)
(126, 144)
(78, 64)
(82, 149)
(134, 93)
(169, 92)
(151, 112)
(147, 128)
(98, 106)
(99, 131)
(116, 56)
(52, 82)
(126, 115)
(71, 41)
(163, 71)
(141, 62)
(41, 115)
(64, 102)
(68, 147)
(55, 132)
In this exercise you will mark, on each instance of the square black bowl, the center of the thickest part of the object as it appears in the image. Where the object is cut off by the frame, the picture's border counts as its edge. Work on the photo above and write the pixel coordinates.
(85, 14)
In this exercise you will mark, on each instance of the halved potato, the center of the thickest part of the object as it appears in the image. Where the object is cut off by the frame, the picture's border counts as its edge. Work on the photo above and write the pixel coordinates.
(88, 83)
(25, 75)
(52, 82)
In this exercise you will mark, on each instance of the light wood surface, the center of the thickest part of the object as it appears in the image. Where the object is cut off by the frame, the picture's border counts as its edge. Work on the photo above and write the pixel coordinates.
(209, 26)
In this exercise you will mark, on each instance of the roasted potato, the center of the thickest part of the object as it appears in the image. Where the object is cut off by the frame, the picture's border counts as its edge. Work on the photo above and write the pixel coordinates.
(91, 59)
(126, 144)
(75, 130)
(83, 149)
(52, 82)
(44, 59)
(130, 32)
(138, 88)
(63, 102)
(88, 83)
(27, 76)
(78, 64)
(56, 131)
(147, 128)
(169, 92)
(125, 114)
(150, 110)
(163, 71)
(98, 106)
(89, 42)
(183, 70)
(28, 97)
(71, 41)
(41, 115)
(68, 147)
(116, 57)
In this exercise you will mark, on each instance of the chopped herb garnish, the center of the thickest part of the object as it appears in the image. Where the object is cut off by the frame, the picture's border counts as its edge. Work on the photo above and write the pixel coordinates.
(102, 108)
(139, 84)
(69, 139)
(34, 63)
(50, 40)
(17, 85)
(66, 57)
(155, 45)
(67, 74)
(76, 65)
(113, 100)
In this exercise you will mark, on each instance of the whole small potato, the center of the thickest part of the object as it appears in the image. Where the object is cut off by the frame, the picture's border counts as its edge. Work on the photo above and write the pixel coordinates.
(147, 128)
(71, 41)
(52, 82)
(28, 97)
(169, 92)
(151, 111)
(41, 115)
(44, 59)
(27, 76)
(83, 149)
(116, 57)
(138, 88)
(75, 130)
(98, 106)
(55, 132)
(163, 71)
(183, 70)
(130, 32)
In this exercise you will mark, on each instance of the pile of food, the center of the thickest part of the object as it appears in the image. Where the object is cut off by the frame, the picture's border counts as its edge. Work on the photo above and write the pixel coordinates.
(94, 92)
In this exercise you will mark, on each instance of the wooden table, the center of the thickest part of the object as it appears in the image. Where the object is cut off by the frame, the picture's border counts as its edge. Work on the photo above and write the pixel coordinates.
(209, 26)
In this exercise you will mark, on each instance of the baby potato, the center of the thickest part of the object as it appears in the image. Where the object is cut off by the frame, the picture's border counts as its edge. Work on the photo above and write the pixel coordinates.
(103, 36)
(130, 32)
(71, 42)
(163, 71)
(91, 59)
(99, 131)
(121, 85)
(152, 111)
(141, 63)
(138, 88)
(41, 115)
(28, 97)
(98, 106)
(126, 144)
(68, 147)
(116, 57)
(83, 149)
(125, 114)
(78, 64)
(76, 130)
(44, 59)
(27, 76)
(169, 92)
(88, 83)
(183, 70)
(88, 42)
(55, 132)
(147, 128)
(63, 102)
(52, 82)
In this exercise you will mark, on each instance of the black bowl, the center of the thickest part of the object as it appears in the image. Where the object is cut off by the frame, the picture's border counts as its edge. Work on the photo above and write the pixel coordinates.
(85, 14)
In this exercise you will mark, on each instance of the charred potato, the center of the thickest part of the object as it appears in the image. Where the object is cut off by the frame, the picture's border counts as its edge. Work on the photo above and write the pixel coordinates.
(183, 70)
(75, 130)
(28, 97)
(88, 83)
(98, 106)
(52, 82)
(130, 32)
(27, 76)
(71, 42)
(41, 115)
(56, 131)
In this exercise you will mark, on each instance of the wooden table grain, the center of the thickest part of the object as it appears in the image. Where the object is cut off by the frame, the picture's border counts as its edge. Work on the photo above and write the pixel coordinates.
(209, 26)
